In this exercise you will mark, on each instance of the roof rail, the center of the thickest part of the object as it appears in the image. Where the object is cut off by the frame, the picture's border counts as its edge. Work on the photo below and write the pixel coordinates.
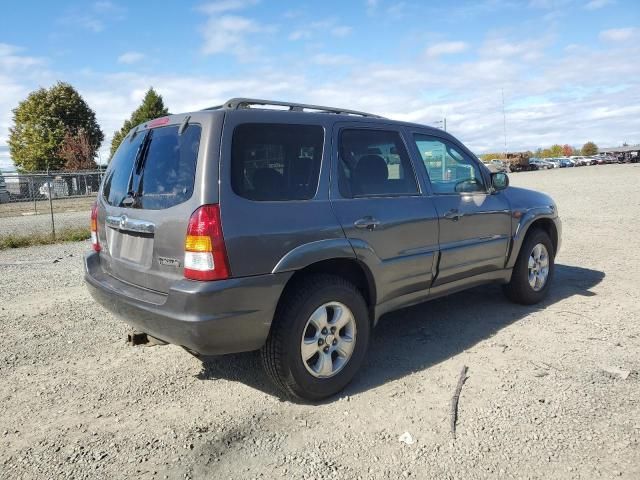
(245, 103)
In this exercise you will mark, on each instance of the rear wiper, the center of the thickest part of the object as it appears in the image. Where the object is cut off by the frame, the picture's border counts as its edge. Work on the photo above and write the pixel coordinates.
(138, 164)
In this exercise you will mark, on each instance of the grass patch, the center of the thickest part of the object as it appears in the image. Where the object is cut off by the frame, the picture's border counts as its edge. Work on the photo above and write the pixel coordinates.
(64, 235)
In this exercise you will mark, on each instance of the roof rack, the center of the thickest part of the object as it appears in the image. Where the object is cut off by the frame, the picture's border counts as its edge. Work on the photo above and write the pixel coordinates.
(246, 103)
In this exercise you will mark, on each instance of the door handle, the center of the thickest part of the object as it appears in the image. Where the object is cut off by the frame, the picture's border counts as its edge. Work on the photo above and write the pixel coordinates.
(453, 214)
(369, 223)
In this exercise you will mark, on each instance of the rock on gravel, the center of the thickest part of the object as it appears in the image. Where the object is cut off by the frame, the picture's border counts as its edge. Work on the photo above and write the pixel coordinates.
(77, 402)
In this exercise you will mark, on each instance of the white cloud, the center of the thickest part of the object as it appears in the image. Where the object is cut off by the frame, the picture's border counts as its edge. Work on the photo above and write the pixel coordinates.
(94, 17)
(332, 60)
(320, 27)
(596, 4)
(446, 48)
(617, 34)
(341, 31)
(227, 34)
(222, 6)
(129, 58)
(550, 99)
(10, 59)
(528, 50)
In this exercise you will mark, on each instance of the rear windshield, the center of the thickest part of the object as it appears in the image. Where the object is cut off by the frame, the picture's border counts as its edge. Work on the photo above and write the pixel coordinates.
(155, 169)
(276, 162)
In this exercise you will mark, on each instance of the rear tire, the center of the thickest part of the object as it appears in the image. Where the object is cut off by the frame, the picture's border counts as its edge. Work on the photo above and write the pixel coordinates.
(338, 309)
(529, 283)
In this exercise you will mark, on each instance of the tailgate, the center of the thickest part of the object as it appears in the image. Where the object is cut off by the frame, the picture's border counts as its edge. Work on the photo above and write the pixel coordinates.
(155, 180)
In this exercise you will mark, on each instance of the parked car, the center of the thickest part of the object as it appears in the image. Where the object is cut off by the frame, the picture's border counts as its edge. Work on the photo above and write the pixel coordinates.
(566, 162)
(242, 228)
(554, 162)
(580, 161)
(541, 164)
(496, 165)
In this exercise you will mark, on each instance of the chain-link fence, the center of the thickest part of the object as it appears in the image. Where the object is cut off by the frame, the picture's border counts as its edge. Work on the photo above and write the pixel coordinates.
(45, 202)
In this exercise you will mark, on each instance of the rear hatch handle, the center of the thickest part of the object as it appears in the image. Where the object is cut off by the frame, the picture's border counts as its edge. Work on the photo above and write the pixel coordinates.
(126, 224)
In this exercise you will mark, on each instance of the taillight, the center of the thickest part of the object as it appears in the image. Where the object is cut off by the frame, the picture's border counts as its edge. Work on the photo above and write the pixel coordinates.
(95, 243)
(205, 256)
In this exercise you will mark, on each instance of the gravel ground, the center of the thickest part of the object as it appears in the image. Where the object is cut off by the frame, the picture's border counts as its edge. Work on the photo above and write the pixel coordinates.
(553, 391)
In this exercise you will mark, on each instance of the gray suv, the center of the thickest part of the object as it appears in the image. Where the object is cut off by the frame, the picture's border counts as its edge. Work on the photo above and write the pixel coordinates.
(291, 228)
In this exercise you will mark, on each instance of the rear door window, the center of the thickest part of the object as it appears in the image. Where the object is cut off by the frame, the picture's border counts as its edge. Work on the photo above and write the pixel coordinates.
(274, 162)
(374, 162)
(154, 170)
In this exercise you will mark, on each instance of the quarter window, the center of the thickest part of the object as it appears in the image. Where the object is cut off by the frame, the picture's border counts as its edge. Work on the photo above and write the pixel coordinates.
(276, 162)
(450, 171)
(374, 162)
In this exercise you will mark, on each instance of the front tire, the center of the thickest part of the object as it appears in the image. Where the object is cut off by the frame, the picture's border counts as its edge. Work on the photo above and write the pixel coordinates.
(319, 338)
(534, 269)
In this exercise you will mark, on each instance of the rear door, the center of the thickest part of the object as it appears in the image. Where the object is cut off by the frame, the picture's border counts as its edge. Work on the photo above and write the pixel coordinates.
(160, 174)
(377, 199)
(475, 224)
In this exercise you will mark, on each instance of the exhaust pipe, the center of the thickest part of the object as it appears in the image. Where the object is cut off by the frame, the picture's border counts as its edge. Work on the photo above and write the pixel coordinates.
(137, 338)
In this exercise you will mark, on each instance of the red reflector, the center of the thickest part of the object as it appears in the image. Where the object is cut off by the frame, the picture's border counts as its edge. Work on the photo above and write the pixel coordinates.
(95, 243)
(158, 122)
(205, 252)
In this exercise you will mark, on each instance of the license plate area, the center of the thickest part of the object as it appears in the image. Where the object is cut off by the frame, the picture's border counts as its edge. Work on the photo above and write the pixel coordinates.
(132, 247)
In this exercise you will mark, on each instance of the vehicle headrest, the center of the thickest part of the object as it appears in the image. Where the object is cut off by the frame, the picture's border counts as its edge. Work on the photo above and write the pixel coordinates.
(371, 169)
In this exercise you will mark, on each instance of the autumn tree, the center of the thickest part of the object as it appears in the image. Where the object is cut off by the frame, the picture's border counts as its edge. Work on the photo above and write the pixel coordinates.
(567, 150)
(40, 123)
(152, 106)
(589, 149)
(77, 151)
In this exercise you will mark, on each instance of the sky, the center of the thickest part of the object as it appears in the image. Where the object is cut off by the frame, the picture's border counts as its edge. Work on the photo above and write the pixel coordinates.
(569, 69)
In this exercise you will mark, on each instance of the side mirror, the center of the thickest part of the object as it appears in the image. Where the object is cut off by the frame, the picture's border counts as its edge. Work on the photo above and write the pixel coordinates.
(499, 181)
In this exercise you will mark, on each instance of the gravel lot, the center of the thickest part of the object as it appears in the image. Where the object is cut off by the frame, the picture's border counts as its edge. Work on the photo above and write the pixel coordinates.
(553, 391)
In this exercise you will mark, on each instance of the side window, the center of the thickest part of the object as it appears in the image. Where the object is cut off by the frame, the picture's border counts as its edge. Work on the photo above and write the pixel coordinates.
(450, 170)
(374, 162)
(276, 162)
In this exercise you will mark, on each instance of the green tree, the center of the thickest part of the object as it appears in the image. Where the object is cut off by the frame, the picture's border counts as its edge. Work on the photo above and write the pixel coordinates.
(589, 148)
(40, 123)
(152, 107)
(556, 150)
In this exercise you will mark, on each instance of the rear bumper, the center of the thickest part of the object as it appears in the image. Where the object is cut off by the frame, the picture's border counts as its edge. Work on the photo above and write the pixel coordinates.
(209, 318)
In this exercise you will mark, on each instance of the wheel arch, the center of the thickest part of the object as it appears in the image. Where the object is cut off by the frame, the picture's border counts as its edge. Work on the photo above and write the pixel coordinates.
(545, 221)
(349, 268)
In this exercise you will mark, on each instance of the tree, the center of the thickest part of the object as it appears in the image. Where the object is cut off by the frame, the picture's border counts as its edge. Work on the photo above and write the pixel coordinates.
(77, 152)
(40, 123)
(589, 149)
(152, 107)
(556, 150)
(567, 150)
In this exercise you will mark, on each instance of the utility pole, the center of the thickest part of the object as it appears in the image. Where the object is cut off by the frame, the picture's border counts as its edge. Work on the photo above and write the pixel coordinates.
(442, 123)
(504, 125)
